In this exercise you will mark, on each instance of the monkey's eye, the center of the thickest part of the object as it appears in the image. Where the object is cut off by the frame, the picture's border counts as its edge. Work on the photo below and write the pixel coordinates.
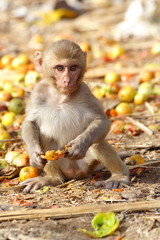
(60, 68)
(73, 68)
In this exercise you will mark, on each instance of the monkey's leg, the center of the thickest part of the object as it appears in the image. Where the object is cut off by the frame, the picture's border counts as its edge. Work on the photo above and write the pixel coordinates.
(106, 154)
(53, 177)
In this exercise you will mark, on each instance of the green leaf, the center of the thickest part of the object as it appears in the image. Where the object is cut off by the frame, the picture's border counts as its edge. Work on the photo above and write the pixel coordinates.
(104, 224)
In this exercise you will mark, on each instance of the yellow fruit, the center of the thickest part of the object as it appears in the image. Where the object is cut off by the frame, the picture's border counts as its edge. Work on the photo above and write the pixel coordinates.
(5, 96)
(117, 126)
(111, 77)
(84, 46)
(140, 98)
(19, 61)
(19, 79)
(10, 155)
(18, 92)
(38, 38)
(4, 135)
(23, 58)
(126, 93)
(8, 87)
(123, 108)
(1, 127)
(6, 60)
(28, 172)
(98, 92)
(8, 118)
(31, 78)
(146, 76)
(115, 51)
(145, 88)
(155, 48)
(136, 159)
(21, 160)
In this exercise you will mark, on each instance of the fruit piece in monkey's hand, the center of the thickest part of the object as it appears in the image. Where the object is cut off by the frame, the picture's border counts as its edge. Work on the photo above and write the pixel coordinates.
(54, 155)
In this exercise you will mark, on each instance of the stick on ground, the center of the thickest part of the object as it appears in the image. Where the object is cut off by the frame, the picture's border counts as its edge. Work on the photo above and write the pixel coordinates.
(68, 212)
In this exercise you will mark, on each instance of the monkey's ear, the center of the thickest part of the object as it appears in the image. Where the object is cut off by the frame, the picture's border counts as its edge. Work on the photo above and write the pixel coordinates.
(38, 60)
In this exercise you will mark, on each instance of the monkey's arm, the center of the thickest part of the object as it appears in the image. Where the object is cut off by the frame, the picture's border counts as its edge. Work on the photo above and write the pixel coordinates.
(30, 135)
(95, 132)
(97, 128)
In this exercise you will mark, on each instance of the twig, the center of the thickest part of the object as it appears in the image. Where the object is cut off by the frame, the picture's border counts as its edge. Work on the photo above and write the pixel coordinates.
(138, 115)
(66, 183)
(16, 144)
(144, 164)
(14, 188)
(149, 148)
(152, 217)
(18, 188)
(140, 125)
(11, 140)
(68, 212)
(150, 108)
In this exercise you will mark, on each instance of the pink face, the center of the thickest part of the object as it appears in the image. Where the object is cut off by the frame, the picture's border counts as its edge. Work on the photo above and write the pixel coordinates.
(66, 77)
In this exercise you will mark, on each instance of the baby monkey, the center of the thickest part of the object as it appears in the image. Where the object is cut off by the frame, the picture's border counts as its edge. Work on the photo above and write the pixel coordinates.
(63, 111)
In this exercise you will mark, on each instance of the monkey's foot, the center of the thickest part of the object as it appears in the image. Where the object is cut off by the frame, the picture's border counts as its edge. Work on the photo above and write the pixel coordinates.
(114, 182)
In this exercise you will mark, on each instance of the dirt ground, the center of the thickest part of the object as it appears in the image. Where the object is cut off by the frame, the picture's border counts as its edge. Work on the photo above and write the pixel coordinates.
(144, 186)
(134, 225)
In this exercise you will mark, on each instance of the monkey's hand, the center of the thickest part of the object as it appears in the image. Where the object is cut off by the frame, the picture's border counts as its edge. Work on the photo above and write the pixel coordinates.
(77, 148)
(36, 160)
(32, 184)
(115, 181)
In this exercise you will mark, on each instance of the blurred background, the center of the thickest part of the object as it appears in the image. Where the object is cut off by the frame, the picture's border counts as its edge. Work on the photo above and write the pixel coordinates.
(121, 38)
(95, 24)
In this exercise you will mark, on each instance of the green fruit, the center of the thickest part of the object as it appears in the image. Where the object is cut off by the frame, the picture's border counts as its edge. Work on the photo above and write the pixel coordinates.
(16, 105)
(19, 79)
(156, 90)
(3, 164)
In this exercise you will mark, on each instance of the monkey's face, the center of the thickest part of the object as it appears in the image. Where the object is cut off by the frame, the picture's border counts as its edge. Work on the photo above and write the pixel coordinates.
(63, 64)
(66, 77)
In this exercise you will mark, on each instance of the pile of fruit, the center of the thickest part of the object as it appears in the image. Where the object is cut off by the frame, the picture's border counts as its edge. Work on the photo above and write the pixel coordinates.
(18, 76)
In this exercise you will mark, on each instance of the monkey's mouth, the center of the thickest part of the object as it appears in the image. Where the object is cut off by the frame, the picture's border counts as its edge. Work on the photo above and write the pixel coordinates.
(67, 90)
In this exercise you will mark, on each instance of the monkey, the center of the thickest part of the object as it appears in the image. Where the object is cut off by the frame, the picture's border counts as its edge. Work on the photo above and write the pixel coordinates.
(63, 111)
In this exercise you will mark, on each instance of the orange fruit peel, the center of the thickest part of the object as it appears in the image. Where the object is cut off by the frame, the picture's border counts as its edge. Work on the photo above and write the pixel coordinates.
(53, 155)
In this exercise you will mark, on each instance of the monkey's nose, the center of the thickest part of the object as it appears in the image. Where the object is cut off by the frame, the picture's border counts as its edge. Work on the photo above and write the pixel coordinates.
(67, 81)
